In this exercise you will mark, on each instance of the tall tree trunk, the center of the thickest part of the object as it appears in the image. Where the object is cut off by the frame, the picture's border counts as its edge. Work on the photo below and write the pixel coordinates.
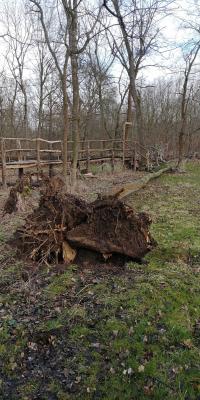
(25, 116)
(132, 70)
(129, 116)
(75, 118)
(12, 110)
(40, 110)
(181, 138)
(137, 103)
(181, 143)
(50, 116)
(73, 33)
(65, 125)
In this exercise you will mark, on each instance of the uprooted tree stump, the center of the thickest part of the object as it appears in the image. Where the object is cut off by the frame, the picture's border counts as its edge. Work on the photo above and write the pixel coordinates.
(113, 227)
(16, 199)
(17, 195)
(63, 224)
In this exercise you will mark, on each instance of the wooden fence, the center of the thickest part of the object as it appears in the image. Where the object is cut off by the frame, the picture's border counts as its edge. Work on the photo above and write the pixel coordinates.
(20, 153)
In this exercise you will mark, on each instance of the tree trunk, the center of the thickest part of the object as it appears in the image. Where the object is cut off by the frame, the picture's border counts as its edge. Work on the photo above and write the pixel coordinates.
(25, 117)
(75, 118)
(40, 109)
(132, 72)
(12, 111)
(75, 86)
(40, 116)
(65, 126)
(50, 117)
(129, 117)
(181, 143)
(181, 138)
(137, 103)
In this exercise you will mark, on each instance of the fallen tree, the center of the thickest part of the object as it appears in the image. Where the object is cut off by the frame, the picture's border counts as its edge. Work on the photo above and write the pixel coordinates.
(63, 224)
(130, 188)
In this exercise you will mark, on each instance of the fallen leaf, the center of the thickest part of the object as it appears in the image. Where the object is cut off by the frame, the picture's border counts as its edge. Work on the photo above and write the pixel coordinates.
(141, 368)
(95, 345)
(145, 339)
(130, 371)
(112, 371)
(188, 343)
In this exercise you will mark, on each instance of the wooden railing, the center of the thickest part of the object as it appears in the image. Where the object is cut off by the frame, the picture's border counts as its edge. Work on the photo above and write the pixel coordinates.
(19, 153)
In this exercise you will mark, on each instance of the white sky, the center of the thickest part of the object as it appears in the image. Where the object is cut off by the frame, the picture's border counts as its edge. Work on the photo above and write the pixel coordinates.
(172, 33)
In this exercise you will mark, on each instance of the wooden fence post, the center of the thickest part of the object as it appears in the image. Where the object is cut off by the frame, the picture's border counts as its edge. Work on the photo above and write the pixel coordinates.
(61, 148)
(123, 145)
(88, 156)
(113, 158)
(18, 143)
(50, 158)
(148, 160)
(3, 162)
(20, 170)
(38, 155)
(135, 157)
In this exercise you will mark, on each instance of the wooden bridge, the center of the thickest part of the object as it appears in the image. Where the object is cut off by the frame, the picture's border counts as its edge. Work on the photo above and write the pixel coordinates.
(20, 153)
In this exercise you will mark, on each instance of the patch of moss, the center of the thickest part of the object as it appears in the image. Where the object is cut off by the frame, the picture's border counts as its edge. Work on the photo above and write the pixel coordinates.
(60, 284)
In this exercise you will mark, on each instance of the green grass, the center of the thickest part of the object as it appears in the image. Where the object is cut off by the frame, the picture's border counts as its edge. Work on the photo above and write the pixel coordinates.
(132, 335)
(60, 284)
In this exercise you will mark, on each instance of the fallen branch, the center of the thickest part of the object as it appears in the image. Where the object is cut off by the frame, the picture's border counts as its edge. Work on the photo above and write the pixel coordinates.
(131, 188)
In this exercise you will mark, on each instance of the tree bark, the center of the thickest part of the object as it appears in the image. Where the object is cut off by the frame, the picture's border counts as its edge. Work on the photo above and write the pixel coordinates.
(137, 103)
(129, 116)
(72, 16)
(65, 125)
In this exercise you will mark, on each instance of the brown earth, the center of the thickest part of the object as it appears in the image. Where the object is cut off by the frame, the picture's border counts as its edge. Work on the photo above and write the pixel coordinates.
(63, 224)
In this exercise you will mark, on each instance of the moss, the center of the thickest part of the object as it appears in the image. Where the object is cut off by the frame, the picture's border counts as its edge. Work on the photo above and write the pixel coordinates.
(51, 325)
(60, 284)
(55, 388)
(11, 274)
(29, 389)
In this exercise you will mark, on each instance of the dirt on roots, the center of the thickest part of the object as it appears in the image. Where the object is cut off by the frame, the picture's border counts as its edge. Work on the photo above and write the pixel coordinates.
(64, 227)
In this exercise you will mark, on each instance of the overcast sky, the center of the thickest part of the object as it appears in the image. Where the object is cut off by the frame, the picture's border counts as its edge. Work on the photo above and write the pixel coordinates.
(173, 37)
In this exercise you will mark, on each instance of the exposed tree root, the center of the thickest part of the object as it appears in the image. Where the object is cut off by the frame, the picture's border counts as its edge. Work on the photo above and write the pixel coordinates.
(63, 224)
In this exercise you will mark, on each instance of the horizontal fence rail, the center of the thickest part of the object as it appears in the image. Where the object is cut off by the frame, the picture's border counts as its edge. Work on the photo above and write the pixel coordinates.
(20, 153)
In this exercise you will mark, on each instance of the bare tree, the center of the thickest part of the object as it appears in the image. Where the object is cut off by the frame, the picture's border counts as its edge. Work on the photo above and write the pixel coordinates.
(43, 69)
(61, 65)
(100, 68)
(18, 39)
(135, 19)
(185, 98)
(69, 36)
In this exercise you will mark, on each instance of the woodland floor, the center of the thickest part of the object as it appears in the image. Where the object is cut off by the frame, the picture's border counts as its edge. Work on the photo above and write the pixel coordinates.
(116, 334)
